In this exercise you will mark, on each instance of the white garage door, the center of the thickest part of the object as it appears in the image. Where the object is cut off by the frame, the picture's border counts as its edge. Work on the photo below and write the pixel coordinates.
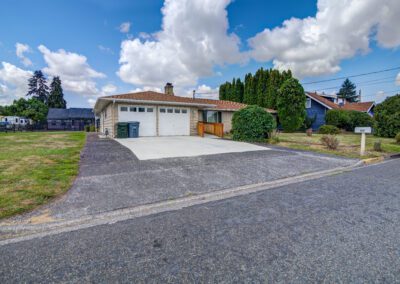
(146, 115)
(174, 121)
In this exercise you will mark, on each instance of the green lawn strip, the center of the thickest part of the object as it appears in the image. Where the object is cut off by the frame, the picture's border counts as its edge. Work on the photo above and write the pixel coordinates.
(349, 144)
(35, 167)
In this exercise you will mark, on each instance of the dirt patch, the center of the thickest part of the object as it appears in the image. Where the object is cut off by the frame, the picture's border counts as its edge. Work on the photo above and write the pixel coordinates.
(41, 219)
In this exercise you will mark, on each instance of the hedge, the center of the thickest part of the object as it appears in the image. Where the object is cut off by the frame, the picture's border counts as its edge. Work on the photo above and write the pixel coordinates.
(387, 117)
(348, 119)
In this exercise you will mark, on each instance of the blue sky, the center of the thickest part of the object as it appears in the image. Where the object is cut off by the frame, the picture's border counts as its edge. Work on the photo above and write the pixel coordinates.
(201, 44)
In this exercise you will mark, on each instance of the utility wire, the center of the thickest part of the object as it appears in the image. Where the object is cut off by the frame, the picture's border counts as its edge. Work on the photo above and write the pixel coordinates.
(352, 76)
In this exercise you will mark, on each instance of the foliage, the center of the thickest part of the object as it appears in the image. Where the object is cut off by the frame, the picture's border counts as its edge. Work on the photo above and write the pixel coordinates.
(2, 109)
(92, 128)
(258, 89)
(38, 87)
(329, 129)
(308, 121)
(397, 138)
(348, 91)
(348, 119)
(378, 146)
(32, 109)
(56, 97)
(252, 123)
(87, 128)
(291, 103)
(330, 141)
(387, 117)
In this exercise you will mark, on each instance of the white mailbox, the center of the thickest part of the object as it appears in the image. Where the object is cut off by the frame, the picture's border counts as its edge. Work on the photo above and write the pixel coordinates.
(366, 130)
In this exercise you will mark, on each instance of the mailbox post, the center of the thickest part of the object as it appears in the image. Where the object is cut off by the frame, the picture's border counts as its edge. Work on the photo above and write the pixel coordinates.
(363, 131)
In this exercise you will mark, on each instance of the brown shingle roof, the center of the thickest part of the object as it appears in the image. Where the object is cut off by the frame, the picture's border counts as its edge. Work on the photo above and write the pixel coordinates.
(323, 100)
(363, 107)
(161, 97)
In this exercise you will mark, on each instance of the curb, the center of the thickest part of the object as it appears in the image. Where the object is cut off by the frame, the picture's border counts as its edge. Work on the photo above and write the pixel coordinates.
(23, 232)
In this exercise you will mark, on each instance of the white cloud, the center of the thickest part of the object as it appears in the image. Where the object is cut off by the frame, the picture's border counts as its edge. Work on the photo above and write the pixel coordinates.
(125, 27)
(76, 74)
(340, 30)
(13, 83)
(147, 88)
(105, 49)
(106, 90)
(380, 96)
(398, 79)
(20, 50)
(193, 39)
(205, 92)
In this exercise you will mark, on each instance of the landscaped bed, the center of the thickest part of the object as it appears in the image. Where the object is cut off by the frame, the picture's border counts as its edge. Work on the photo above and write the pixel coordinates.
(349, 144)
(35, 167)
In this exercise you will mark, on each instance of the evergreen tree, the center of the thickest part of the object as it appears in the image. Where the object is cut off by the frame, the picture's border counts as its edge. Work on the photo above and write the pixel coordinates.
(222, 92)
(291, 105)
(56, 97)
(38, 87)
(239, 90)
(248, 94)
(348, 91)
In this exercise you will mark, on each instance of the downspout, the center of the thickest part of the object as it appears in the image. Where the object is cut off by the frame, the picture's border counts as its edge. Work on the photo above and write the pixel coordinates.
(113, 122)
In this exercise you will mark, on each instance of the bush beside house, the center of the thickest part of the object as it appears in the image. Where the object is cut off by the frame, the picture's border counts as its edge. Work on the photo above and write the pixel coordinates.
(252, 123)
(348, 119)
(387, 117)
(329, 129)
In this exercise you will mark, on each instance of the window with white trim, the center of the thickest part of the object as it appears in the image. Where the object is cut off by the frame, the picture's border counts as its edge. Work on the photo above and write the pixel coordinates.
(308, 103)
(124, 108)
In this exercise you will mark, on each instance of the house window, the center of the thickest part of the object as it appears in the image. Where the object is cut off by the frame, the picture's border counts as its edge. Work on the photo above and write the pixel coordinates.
(212, 116)
(162, 110)
(124, 108)
(149, 109)
(308, 103)
(53, 122)
(177, 110)
(170, 110)
(141, 109)
(184, 111)
(133, 109)
(16, 120)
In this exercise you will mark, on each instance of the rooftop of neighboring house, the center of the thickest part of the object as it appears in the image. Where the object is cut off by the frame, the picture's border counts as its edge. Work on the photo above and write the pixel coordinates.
(169, 98)
(70, 113)
(362, 106)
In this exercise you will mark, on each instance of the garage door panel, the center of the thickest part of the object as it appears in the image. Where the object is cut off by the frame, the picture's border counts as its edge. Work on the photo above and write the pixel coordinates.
(146, 115)
(174, 121)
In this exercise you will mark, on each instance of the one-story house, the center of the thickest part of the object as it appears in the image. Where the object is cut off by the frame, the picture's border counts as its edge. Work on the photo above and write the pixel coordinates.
(74, 119)
(163, 114)
(317, 106)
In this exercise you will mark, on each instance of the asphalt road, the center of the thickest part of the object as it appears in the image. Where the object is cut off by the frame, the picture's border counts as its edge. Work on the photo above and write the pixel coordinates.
(343, 228)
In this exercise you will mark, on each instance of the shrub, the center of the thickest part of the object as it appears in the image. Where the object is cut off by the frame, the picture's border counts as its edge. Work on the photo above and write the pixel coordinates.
(387, 117)
(329, 129)
(252, 123)
(398, 138)
(359, 119)
(338, 117)
(330, 141)
(92, 128)
(378, 146)
(87, 128)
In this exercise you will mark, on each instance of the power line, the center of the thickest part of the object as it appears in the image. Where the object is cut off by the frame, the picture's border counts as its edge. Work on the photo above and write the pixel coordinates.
(352, 76)
(366, 83)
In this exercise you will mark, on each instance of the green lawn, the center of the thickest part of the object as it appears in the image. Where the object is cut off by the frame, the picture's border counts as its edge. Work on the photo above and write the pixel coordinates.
(35, 167)
(349, 144)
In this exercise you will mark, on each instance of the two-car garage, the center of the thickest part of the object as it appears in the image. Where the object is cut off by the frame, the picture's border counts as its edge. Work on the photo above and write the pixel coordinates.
(157, 120)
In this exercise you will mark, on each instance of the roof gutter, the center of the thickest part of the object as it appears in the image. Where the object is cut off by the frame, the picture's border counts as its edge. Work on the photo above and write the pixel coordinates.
(311, 97)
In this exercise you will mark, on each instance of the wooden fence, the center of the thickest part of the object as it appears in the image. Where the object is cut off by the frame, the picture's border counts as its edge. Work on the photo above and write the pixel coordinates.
(216, 129)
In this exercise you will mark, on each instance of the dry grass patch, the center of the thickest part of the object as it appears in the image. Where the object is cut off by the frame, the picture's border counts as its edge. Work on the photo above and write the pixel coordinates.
(35, 167)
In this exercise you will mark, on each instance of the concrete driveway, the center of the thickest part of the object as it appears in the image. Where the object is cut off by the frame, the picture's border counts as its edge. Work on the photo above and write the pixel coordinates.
(148, 148)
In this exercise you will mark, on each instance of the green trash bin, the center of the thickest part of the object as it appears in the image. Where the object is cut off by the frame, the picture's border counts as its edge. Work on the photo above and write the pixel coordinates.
(122, 130)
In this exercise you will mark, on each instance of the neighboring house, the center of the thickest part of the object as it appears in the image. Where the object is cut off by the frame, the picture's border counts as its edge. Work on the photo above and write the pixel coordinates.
(15, 120)
(74, 119)
(317, 106)
(163, 114)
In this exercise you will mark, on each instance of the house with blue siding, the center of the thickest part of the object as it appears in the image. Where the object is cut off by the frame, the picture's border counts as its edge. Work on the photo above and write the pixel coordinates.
(318, 105)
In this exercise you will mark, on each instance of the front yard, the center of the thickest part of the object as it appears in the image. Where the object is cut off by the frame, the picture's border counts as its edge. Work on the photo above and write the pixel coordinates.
(35, 167)
(349, 144)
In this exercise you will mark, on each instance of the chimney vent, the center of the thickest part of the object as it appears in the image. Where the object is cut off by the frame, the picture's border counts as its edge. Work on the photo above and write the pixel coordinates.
(169, 89)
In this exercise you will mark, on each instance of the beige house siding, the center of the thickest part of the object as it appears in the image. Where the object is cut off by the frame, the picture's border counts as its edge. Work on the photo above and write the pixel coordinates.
(108, 119)
(226, 119)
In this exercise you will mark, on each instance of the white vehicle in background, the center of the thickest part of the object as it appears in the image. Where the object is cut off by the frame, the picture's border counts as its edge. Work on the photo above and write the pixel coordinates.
(15, 120)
